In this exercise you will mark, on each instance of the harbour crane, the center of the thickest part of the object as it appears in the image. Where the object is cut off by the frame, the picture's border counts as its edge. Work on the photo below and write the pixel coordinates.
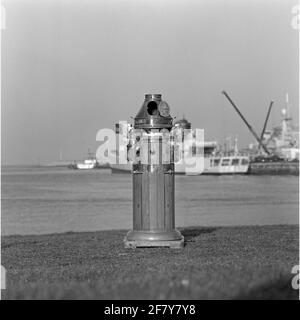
(265, 125)
(259, 140)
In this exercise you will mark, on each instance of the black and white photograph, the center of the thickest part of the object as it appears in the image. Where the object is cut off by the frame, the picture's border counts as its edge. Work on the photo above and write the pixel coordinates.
(150, 152)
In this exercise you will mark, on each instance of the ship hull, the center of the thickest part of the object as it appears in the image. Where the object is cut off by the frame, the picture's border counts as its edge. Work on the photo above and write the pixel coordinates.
(274, 168)
(228, 171)
(83, 166)
(180, 170)
(121, 168)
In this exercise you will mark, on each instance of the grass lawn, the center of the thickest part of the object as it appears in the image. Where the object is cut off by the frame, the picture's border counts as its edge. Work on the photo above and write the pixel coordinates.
(217, 263)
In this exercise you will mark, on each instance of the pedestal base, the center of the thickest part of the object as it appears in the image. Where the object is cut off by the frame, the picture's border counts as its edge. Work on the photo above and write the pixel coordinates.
(139, 239)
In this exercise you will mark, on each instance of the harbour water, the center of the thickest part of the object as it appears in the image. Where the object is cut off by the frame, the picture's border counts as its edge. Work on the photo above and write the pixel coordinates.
(43, 200)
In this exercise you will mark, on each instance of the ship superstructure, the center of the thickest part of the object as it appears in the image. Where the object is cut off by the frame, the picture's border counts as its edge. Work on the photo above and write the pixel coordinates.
(283, 140)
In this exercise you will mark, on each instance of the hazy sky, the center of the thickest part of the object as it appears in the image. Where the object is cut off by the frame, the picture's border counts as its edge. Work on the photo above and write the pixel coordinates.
(72, 67)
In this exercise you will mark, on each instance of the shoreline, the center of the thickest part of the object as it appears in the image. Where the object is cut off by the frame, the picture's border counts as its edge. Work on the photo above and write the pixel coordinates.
(67, 232)
(255, 262)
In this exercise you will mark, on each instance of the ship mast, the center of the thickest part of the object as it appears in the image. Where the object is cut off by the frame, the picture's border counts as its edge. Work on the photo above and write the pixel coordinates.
(235, 148)
(286, 118)
(246, 122)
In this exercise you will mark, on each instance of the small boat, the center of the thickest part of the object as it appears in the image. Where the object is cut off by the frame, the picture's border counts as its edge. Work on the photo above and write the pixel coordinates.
(86, 164)
(218, 162)
(231, 164)
(90, 163)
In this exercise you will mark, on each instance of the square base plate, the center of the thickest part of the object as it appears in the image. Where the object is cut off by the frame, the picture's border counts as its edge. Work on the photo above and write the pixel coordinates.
(172, 244)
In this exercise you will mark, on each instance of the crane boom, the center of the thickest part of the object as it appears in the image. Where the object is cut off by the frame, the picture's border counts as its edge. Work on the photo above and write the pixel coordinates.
(265, 124)
(246, 122)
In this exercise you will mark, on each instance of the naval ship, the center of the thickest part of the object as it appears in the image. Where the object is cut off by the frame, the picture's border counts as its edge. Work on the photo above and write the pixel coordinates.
(276, 151)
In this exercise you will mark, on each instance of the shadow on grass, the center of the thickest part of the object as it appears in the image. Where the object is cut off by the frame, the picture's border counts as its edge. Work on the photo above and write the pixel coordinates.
(280, 289)
(190, 233)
